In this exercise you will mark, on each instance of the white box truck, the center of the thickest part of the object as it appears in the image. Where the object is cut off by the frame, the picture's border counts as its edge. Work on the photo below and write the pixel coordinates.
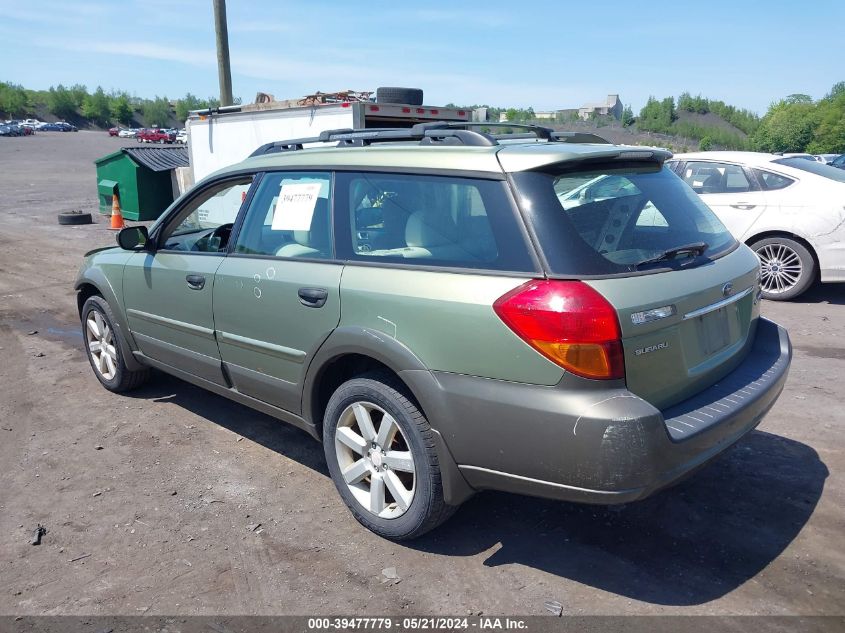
(222, 136)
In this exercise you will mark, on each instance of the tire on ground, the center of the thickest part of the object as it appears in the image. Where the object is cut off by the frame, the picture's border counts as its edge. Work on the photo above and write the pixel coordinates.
(74, 218)
(408, 96)
(124, 379)
(428, 508)
(808, 266)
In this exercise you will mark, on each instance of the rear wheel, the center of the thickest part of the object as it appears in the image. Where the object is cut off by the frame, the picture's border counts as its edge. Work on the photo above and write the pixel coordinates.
(787, 268)
(380, 452)
(103, 347)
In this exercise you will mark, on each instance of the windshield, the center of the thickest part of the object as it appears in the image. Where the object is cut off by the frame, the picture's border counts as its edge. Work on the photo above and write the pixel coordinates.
(613, 219)
(814, 167)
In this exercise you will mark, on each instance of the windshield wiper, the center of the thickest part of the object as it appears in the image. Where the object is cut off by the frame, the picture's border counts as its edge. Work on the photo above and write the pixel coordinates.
(694, 249)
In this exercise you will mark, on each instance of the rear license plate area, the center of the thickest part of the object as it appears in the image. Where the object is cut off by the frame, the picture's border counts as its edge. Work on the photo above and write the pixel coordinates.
(714, 331)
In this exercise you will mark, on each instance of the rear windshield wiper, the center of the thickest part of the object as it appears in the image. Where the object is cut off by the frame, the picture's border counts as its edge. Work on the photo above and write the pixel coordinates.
(694, 249)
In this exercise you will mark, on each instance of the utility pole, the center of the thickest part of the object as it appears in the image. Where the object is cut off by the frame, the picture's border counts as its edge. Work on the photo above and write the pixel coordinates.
(223, 70)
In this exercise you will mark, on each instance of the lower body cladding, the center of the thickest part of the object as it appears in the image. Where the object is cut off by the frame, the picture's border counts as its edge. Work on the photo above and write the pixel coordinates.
(582, 441)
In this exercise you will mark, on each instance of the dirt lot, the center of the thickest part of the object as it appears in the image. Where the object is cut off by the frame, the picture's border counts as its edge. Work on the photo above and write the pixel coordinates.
(156, 521)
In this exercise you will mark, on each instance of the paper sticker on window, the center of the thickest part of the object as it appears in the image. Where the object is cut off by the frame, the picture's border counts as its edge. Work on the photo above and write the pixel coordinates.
(295, 206)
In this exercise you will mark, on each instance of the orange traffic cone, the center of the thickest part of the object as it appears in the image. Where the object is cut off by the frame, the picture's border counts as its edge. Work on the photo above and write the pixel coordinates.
(117, 222)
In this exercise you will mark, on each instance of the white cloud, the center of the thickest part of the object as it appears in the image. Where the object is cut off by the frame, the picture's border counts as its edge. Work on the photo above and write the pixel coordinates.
(163, 52)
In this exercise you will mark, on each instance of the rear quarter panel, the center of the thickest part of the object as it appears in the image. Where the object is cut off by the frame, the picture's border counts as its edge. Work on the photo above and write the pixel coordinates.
(445, 319)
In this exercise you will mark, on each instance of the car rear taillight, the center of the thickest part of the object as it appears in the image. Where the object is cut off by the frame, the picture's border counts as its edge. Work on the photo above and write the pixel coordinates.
(569, 323)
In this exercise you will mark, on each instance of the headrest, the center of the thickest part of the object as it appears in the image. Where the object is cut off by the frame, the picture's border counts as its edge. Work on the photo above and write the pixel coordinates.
(427, 229)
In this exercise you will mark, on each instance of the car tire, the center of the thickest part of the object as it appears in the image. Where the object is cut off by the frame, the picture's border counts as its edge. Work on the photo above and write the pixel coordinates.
(74, 218)
(408, 96)
(788, 268)
(106, 357)
(371, 467)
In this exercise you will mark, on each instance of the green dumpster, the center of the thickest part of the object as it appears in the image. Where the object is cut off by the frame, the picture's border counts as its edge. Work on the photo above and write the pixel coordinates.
(141, 177)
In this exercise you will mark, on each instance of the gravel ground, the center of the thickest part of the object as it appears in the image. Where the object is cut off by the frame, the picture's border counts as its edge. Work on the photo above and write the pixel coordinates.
(150, 500)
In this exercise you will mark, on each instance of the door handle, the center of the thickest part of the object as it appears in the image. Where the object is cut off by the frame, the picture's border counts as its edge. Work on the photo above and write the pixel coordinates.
(195, 282)
(743, 205)
(313, 297)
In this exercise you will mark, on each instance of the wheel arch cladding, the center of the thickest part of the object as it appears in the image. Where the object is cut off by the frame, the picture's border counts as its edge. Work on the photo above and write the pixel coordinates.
(94, 283)
(351, 351)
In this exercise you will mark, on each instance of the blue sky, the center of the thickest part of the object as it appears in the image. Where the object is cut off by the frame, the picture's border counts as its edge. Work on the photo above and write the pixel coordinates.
(548, 55)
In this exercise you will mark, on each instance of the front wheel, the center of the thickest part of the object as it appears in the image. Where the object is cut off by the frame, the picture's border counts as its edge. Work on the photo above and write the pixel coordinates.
(787, 268)
(103, 347)
(381, 457)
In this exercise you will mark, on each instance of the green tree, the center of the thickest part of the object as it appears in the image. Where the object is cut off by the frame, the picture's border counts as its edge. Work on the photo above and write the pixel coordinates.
(705, 145)
(186, 104)
(61, 102)
(787, 127)
(14, 100)
(96, 107)
(121, 109)
(829, 135)
(157, 111)
(627, 116)
(78, 92)
(798, 98)
(657, 116)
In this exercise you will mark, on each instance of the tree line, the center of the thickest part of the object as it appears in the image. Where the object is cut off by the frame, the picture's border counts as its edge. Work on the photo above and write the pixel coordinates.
(796, 123)
(100, 107)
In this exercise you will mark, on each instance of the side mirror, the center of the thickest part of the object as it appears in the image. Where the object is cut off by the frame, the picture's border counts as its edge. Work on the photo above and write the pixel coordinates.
(133, 237)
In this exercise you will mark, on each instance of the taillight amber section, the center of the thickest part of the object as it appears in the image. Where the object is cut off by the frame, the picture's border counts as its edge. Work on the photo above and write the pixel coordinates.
(568, 322)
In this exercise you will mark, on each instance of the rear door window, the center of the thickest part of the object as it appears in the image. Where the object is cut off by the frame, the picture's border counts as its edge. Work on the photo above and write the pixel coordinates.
(707, 177)
(610, 220)
(429, 221)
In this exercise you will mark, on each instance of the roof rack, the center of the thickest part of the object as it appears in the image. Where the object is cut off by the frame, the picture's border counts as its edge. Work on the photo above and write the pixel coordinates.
(430, 133)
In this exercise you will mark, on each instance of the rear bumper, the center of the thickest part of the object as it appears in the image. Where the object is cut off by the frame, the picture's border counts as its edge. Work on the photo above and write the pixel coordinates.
(582, 441)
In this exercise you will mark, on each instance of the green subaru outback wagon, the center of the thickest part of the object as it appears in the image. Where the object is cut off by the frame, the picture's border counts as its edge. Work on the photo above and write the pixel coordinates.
(450, 311)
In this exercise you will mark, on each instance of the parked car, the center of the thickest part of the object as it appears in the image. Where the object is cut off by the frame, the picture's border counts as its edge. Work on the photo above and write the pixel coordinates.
(128, 133)
(114, 131)
(155, 135)
(6, 130)
(60, 126)
(434, 315)
(181, 137)
(838, 162)
(826, 158)
(790, 211)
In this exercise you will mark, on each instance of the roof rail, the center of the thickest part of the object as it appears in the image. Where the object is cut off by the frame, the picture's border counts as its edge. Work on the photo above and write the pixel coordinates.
(432, 132)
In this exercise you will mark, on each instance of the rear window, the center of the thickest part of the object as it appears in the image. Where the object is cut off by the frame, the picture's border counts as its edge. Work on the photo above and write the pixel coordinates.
(614, 219)
(814, 167)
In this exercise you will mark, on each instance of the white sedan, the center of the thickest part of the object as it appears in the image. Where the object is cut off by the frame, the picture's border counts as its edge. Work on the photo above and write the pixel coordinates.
(127, 133)
(790, 211)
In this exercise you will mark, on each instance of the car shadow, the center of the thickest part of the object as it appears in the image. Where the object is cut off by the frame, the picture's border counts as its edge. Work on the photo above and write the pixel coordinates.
(253, 425)
(687, 545)
(832, 293)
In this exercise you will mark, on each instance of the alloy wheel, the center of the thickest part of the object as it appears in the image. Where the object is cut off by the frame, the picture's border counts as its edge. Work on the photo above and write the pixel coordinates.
(101, 345)
(780, 268)
(375, 460)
